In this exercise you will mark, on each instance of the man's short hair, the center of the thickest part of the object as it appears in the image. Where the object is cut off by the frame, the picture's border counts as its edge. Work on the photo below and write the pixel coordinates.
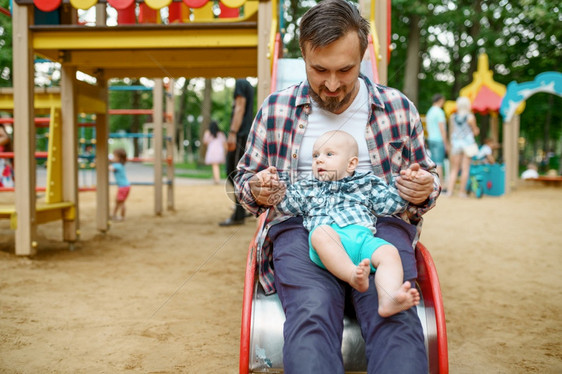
(436, 98)
(330, 20)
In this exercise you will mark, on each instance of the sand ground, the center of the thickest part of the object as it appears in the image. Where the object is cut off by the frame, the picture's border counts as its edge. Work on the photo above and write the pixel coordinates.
(164, 294)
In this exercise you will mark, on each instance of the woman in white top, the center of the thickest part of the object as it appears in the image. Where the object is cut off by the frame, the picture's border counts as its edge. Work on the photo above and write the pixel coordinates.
(463, 128)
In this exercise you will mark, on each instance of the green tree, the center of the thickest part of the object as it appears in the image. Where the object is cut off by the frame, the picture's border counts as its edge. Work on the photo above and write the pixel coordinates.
(5, 46)
(129, 99)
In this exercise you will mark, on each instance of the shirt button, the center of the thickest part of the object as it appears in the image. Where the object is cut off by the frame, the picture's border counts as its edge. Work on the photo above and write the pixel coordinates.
(301, 126)
(294, 155)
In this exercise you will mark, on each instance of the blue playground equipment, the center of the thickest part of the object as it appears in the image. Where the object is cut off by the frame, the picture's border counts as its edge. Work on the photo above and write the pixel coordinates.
(486, 179)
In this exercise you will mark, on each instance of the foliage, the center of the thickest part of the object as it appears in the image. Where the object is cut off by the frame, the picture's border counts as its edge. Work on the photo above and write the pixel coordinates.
(5, 47)
(521, 37)
(196, 170)
(119, 99)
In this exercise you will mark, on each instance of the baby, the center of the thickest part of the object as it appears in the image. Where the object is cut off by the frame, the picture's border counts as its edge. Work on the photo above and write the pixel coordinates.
(339, 208)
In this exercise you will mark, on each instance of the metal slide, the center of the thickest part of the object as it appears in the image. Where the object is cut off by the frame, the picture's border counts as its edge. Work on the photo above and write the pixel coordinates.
(292, 71)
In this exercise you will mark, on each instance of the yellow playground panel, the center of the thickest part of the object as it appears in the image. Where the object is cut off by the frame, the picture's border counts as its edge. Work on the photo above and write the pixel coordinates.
(47, 101)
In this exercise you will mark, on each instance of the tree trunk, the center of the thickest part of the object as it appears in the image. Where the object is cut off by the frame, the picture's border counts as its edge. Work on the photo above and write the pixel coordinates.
(411, 82)
(180, 119)
(135, 120)
(474, 32)
(206, 113)
(547, 122)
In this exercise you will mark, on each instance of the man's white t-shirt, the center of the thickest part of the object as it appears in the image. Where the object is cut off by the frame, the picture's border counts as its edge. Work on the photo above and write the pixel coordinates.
(353, 121)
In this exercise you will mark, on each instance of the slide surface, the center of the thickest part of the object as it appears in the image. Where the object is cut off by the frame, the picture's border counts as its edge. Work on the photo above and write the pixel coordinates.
(292, 71)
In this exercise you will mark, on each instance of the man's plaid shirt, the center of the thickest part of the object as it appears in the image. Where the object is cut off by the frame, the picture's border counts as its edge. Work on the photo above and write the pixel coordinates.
(394, 137)
(352, 200)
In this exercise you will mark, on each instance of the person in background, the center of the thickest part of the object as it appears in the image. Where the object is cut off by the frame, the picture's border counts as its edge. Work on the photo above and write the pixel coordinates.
(6, 170)
(463, 129)
(486, 152)
(215, 141)
(386, 125)
(123, 185)
(437, 140)
(531, 172)
(240, 124)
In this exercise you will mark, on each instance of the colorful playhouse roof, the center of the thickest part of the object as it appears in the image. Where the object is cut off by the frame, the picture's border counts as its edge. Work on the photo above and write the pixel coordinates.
(485, 94)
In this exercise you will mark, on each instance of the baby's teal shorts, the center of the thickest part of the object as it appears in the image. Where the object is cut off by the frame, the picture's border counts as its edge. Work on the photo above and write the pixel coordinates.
(358, 241)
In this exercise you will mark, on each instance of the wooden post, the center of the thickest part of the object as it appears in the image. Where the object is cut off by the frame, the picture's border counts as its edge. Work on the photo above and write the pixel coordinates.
(69, 149)
(494, 130)
(381, 10)
(511, 152)
(102, 161)
(264, 70)
(170, 143)
(101, 14)
(24, 129)
(506, 144)
(515, 151)
(158, 114)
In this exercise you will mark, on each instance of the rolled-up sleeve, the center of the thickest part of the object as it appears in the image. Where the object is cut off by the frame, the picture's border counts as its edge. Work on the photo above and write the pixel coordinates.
(419, 155)
(254, 160)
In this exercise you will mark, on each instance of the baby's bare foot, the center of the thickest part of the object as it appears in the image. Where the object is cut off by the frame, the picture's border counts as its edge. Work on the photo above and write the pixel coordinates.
(404, 298)
(360, 276)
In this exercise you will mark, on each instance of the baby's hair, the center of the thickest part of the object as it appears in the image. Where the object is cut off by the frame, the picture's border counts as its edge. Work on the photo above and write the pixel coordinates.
(354, 148)
(121, 155)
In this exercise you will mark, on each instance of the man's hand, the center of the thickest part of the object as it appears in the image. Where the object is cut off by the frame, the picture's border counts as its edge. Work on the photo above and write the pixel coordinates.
(415, 184)
(266, 187)
(231, 142)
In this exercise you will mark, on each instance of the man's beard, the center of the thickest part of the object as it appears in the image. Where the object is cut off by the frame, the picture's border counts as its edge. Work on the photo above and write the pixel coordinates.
(331, 104)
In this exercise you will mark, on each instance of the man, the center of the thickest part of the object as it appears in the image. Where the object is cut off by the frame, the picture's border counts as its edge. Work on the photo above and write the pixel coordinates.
(333, 39)
(437, 140)
(240, 124)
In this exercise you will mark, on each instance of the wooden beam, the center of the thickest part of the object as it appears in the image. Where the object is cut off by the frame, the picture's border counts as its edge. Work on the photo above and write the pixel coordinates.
(69, 149)
(176, 72)
(263, 57)
(24, 139)
(91, 98)
(102, 161)
(170, 144)
(158, 116)
(168, 57)
(381, 25)
(60, 39)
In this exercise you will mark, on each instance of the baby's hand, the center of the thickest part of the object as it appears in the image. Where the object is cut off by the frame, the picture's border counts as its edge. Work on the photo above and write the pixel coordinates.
(414, 184)
(411, 172)
(266, 187)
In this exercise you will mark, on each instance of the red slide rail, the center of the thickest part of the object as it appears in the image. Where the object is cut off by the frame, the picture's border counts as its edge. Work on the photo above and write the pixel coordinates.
(248, 297)
(431, 291)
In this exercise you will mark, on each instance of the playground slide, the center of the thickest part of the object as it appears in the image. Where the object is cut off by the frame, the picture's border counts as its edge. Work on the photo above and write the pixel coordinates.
(261, 338)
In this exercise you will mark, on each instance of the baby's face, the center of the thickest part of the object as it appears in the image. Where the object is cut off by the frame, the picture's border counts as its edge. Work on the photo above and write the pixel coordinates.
(331, 159)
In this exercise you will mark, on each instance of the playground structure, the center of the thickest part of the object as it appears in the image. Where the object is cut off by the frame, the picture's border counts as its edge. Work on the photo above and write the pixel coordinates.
(512, 102)
(489, 97)
(197, 44)
(205, 48)
(54, 208)
(191, 42)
